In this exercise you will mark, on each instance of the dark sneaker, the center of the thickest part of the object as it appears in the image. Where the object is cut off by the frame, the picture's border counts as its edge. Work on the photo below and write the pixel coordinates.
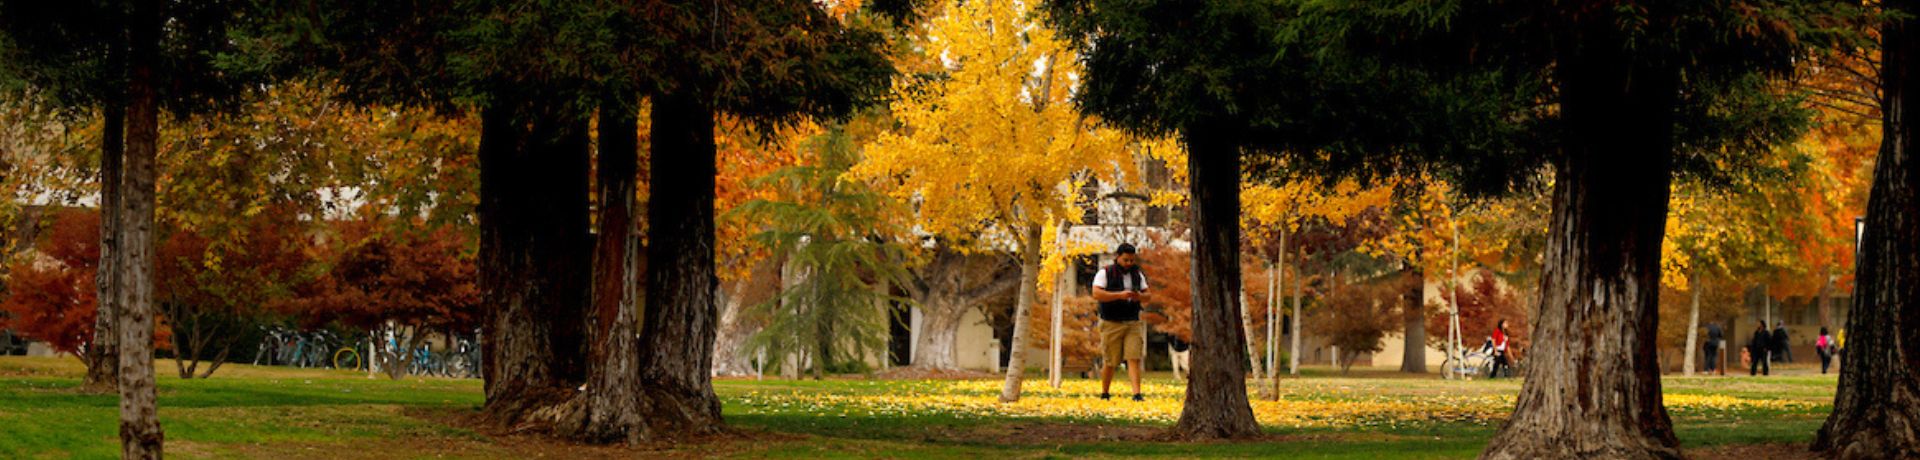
(1106, 396)
(1138, 397)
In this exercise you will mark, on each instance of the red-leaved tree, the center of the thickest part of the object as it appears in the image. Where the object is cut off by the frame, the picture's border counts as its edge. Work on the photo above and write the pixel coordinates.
(410, 283)
(1482, 303)
(214, 282)
(50, 289)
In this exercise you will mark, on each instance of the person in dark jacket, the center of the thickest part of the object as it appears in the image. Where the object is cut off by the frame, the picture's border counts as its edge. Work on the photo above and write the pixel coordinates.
(1781, 351)
(1714, 336)
(1761, 346)
(1121, 289)
(1824, 346)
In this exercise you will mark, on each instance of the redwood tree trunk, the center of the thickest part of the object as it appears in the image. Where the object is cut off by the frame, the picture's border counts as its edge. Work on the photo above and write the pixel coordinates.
(613, 386)
(1593, 390)
(1216, 403)
(1029, 278)
(140, 433)
(103, 353)
(535, 255)
(677, 334)
(1876, 413)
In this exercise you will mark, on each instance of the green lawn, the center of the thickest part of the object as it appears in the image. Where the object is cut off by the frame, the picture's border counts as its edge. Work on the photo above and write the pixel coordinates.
(253, 412)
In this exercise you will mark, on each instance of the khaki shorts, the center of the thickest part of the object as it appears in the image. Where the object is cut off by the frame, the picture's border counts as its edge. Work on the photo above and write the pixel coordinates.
(1122, 340)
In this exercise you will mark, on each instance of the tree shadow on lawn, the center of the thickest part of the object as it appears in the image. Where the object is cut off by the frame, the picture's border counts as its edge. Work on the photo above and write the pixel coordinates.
(67, 393)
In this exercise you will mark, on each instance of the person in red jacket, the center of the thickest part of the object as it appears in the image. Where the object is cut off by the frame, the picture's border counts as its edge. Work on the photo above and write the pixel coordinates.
(1500, 350)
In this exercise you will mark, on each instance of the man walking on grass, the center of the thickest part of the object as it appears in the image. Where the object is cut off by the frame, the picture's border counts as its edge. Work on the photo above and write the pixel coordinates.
(1121, 288)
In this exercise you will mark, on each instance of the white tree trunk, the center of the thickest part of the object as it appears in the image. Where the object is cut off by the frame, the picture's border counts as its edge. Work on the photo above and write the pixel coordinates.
(1293, 356)
(1054, 358)
(1246, 322)
(1693, 324)
(940, 326)
(1029, 278)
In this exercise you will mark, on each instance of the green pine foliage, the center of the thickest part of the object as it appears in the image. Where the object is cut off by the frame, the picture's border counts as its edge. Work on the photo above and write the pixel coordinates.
(830, 231)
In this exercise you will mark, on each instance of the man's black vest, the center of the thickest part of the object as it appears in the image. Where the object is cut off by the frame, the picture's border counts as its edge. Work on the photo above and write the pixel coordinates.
(1120, 310)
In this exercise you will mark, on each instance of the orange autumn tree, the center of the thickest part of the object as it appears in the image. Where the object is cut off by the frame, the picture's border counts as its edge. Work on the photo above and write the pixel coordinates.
(50, 295)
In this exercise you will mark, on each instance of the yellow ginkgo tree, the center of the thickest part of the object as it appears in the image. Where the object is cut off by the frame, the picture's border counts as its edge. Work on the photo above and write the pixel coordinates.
(988, 147)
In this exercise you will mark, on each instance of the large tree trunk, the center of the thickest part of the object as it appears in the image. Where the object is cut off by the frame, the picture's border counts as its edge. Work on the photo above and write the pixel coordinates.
(613, 386)
(1593, 390)
(1029, 279)
(1216, 403)
(939, 328)
(945, 289)
(103, 352)
(140, 433)
(1414, 358)
(535, 254)
(677, 332)
(1876, 413)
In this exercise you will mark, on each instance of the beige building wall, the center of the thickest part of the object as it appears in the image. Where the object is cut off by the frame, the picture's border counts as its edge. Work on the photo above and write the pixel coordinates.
(1393, 352)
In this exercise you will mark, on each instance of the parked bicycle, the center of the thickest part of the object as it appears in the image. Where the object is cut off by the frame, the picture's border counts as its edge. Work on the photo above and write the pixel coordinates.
(425, 362)
(1476, 363)
(273, 341)
(319, 349)
(464, 360)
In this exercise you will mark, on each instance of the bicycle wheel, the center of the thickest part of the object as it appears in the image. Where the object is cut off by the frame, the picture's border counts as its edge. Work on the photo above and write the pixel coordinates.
(1476, 366)
(346, 358)
(1450, 369)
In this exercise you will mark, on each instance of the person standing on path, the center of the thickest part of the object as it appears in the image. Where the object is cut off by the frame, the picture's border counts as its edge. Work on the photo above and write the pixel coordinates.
(1781, 348)
(1714, 336)
(1824, 346)
(1121, 288)
(1500, 360)
(1761, 346)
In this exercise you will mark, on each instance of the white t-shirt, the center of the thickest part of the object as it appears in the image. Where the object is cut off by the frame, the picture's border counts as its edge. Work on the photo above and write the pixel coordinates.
(1100, 281)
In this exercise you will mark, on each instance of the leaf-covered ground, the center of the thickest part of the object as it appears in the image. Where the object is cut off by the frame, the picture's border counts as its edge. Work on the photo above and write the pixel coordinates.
(256, 412)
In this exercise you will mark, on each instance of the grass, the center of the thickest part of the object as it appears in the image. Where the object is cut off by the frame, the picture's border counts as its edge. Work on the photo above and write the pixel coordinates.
(270, 412)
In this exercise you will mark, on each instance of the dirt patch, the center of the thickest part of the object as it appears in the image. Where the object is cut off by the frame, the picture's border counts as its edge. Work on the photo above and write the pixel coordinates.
(1752, 452)
(491, 439)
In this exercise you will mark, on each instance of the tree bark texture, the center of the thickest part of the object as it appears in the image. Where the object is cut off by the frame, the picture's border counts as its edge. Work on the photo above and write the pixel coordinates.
(680, 318)
(103, 352)
(945, 289)
(1029, 280)
(1876, 413)
(536, 255)
(140, 434)
(613, 373)
(1216, 403)
(1414, 357)
(1593, 388)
